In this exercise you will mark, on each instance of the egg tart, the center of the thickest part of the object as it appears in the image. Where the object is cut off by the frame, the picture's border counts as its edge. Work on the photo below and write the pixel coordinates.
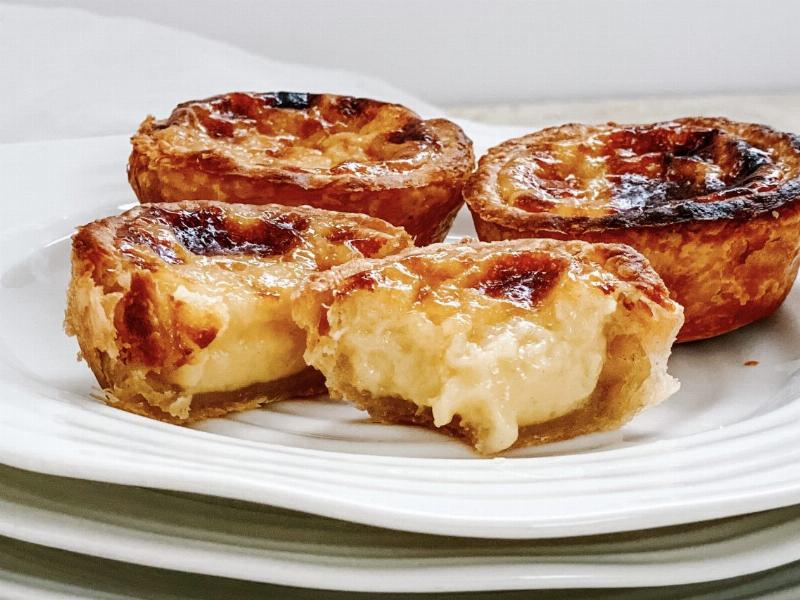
(712, 203)
(182, 310)
(333, 152)
(500, 344)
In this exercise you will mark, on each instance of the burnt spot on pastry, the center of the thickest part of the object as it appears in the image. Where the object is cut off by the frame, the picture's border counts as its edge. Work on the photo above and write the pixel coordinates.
(293, 100)
(668, 162)
(523, 279)
(208, 231)
(293, 114)
(614, 176)
(415, 131)
(156, 236)
(636, 191)
(219, 114)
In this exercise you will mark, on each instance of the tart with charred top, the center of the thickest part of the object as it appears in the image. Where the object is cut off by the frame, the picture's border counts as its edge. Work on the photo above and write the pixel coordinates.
(333, 152)
(499, 344)
(182, 310)
(712, 203)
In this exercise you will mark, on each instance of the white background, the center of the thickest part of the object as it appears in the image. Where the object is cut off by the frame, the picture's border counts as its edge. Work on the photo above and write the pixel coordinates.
(478, 51)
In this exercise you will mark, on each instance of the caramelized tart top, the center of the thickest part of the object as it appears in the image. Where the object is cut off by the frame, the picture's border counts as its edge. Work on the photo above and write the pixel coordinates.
(521, 274)
(637, 175)
(227, 246)
(307, 139)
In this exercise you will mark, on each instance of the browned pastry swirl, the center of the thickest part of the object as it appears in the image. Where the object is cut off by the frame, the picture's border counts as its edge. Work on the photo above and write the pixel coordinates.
(712, 203)
(333, 152)
(183, 310)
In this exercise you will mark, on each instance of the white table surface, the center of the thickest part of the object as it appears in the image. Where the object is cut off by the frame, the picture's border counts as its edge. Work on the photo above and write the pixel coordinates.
(781, 111)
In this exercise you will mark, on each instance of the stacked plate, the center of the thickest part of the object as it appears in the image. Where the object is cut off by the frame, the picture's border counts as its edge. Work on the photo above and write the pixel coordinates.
(313, 495)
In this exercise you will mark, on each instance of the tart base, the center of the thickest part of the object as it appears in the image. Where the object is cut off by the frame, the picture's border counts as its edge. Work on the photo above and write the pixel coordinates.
(208, 405)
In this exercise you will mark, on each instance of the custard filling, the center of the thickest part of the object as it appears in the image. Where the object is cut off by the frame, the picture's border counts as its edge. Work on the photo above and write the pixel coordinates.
(255, 343)
(496, 374)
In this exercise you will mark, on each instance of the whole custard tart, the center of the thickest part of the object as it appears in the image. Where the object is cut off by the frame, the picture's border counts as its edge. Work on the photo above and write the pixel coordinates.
(712, 203)
(183, 310)
(333, 152)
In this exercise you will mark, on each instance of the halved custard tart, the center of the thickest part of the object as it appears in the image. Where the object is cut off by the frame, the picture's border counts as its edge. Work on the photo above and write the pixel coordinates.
(183, 310)
(500, 344)
(333, 152)
(713, 204)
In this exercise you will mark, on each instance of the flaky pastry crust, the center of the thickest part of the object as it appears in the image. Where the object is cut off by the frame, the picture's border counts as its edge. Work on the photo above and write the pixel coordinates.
(182, 310)
(712, 203)
(333, 152)
(471, 338)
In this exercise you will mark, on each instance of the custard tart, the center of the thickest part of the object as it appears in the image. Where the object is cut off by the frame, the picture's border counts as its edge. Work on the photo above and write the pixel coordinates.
(183, 310)
(499, 344)
(712, 203)
(333, 152)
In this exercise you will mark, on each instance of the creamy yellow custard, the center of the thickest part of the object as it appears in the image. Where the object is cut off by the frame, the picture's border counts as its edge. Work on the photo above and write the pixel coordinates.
(491, 340)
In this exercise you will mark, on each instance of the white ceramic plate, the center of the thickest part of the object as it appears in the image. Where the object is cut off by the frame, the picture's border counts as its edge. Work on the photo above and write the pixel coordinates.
(725, 445)
(212, 536)
(39, 573)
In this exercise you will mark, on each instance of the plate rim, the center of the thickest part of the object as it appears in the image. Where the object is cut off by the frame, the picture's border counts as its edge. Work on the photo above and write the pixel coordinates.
(731, 548)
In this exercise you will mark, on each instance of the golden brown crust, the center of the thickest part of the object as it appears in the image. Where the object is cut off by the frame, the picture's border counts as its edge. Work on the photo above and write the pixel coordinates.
(523, 275)
(712, 203)
(332, 152)
(307, 383)
(162, 293)
(626, 266)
